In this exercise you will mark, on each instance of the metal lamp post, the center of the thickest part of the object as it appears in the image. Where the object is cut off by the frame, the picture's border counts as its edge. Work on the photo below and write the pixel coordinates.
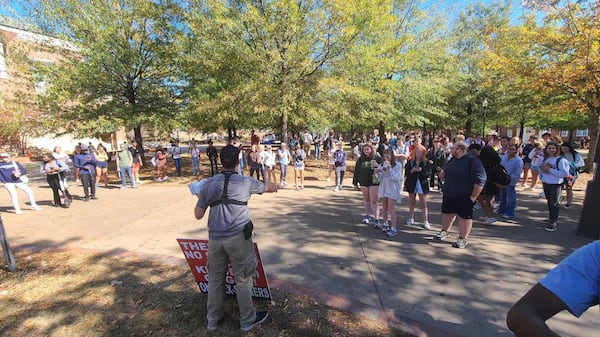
(484, 104)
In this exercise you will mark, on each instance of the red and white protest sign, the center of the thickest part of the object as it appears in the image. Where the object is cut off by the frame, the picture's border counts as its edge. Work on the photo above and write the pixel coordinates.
(196, 254)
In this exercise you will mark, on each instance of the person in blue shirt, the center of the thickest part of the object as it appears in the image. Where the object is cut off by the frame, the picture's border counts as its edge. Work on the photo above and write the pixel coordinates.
(572, 285)
(86, 163)
(508, 198)
(12, 175)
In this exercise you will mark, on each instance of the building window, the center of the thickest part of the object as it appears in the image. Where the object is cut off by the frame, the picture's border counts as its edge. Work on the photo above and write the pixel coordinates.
(3, 70)
(564, 133)
(39, 69)
(509, 133)
(581, 133)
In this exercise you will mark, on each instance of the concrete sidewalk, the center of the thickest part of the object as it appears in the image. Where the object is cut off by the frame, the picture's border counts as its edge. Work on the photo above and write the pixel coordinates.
(313, 242)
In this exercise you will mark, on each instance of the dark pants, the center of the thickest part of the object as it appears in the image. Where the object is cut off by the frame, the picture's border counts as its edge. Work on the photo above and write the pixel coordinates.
(89, 184)
(213, 166)
(54, 182)
(552, 193)
(263, 170)
(434, 177)
(256, 169)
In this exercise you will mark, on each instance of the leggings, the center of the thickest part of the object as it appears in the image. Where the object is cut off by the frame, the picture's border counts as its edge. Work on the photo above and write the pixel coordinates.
(54, 181)
(552, 193)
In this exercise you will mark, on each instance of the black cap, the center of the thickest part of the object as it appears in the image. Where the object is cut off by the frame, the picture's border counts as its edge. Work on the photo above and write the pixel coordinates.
(229, 156)
(475, 146)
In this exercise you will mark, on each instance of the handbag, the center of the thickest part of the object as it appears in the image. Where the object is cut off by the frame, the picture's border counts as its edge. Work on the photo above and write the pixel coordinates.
(23, 178)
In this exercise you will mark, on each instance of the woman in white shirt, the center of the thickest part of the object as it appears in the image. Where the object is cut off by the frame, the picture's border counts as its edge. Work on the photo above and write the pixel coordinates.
(269, 162)
(537, 158)
(554, 170)
(390, 190)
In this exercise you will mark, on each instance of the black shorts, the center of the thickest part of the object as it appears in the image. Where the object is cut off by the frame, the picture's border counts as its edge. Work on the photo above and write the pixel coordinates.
(461, 206)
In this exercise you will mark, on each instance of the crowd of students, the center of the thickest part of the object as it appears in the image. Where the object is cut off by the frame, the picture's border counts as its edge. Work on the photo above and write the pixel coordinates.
(419, 159)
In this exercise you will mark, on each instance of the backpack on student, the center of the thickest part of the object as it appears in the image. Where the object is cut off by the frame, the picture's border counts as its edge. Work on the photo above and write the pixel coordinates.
(501, 176)
(573, 172)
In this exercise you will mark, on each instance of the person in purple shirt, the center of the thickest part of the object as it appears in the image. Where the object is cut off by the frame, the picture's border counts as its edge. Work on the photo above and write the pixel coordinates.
(340, 166)
(86, 163)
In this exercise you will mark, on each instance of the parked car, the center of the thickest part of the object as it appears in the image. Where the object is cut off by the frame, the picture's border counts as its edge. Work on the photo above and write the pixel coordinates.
(270, 138)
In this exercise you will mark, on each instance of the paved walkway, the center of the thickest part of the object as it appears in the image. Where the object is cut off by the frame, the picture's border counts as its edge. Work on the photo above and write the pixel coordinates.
(312, 242)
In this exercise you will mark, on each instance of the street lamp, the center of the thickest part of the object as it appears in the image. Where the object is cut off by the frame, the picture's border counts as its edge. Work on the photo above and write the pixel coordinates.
(484, 104)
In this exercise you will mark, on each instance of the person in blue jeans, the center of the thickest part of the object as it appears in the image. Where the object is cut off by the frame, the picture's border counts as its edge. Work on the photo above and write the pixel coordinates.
(176, 152)
(508, 195)
(124, 161)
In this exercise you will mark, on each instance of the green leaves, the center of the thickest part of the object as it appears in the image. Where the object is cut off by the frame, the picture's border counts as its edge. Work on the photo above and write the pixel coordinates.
(124, 71)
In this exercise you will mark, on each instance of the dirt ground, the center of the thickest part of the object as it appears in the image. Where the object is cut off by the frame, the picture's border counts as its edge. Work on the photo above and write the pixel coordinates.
(141, 307)
(122, 209)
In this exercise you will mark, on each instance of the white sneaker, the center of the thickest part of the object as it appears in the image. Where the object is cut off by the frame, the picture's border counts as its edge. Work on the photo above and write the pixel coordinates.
(410, 221)
(328, 179)
(138, 181)
(18, 212)
(490, 221)
(36, 208)
(426, 225)
(337, 188)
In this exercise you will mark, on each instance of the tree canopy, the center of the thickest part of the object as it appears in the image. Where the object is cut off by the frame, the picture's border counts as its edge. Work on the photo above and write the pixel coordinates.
(319, 64)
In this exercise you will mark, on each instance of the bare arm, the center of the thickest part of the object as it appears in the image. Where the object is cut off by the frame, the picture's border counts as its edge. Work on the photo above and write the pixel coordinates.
(476, 191)
(528, 316)
(199, 212)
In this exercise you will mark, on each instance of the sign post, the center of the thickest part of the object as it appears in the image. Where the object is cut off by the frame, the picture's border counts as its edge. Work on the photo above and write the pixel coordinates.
(8, 254)
(196, 255)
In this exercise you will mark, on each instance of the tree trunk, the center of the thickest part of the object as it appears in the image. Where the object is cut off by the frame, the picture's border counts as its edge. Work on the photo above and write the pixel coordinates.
(284, 128)
(468, 128)
(522, 129)
(469, 123)
(571, 134)
(137, 134)
(594, 154)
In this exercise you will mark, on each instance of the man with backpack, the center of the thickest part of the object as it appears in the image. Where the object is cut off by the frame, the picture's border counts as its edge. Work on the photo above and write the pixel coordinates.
(230, 239)
(513, 165)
